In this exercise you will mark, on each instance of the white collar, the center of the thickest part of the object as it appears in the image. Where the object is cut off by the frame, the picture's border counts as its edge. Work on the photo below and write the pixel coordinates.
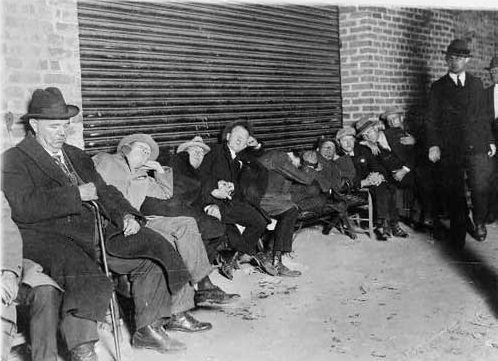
(455, 77)
(232, 153)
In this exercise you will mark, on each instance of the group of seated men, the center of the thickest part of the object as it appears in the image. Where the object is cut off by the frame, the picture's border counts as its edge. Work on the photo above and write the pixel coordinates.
(166, 227)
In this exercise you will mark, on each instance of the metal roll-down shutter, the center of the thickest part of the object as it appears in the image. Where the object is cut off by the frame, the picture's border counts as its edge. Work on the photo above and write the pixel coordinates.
(175, 70)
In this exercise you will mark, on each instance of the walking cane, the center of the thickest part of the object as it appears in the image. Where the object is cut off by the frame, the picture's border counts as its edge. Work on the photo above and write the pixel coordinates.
(114, 320)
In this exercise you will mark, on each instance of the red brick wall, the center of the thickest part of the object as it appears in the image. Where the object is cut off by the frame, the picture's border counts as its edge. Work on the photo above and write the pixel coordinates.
(40, 48)
(390, 56)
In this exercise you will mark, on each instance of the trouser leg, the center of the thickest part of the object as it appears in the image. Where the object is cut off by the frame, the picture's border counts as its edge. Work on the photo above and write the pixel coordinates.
(44, 307)
(77, 331)
(184, 234)
(456, 202)
(245, 215)
(183, 300)
(284, 230)
(9, 330)
(148, 287)
(479, 173)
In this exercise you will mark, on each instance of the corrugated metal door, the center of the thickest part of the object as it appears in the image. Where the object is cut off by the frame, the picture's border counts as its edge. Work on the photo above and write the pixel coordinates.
(175, 70)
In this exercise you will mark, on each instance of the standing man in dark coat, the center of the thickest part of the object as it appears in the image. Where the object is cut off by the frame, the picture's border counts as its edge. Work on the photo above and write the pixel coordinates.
(492, 111)
(460, 139)
(47, 183)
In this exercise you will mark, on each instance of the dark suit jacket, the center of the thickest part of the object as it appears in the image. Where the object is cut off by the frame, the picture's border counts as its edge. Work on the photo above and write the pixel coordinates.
(219, 165)
(405, 153)
(456, 120)
(55, 224)
(365, 163)
(490, 108)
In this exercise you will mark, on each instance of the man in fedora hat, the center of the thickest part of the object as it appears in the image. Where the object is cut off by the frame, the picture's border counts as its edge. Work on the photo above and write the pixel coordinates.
(47, 183)
(492, 109)
(460, 141)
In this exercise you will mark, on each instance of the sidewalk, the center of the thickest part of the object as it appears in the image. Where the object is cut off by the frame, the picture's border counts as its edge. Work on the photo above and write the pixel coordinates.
(404, 299)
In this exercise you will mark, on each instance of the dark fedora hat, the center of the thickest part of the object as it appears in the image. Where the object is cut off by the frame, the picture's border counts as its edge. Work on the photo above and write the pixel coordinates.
(49, 104)
(458, 47)
(493, 63)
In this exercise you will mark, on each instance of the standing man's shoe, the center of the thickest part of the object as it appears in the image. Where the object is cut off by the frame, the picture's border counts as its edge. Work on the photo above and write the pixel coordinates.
(481, 232)
(84, 352)
(154, 337)
(185, 322)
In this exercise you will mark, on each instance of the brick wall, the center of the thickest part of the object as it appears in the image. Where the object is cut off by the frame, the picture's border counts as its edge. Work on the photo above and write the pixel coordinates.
(40, 48)
(390, 56)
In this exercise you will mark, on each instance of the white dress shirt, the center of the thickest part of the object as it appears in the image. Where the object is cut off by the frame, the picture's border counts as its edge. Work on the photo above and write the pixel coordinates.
(455, 77)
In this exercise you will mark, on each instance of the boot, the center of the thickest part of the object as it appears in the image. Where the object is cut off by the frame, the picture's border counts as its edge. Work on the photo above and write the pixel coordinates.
(283, 270)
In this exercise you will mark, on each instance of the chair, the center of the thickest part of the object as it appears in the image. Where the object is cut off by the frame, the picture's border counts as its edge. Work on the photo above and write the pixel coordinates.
(113, 303)
(356, 209)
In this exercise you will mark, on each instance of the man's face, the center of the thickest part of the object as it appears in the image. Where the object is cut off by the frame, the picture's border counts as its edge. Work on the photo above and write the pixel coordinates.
(395, 120)
(327, 150)
(50, 133)
(456, 64)
(493, 73)
(237, 139)
(347, 143)
(195, 156)
(371, 135)
(139, 154)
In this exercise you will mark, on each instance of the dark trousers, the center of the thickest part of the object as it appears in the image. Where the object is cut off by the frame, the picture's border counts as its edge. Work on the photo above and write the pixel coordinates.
(148, 287)
(244, 214)
(479, 169)
(384, 199)
(211, 229)
(43, 306)
(284, 230)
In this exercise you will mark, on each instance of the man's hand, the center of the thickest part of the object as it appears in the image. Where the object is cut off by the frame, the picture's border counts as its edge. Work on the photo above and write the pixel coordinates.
(434, 154)
(214, 211)
(408, 140)
(88, 192)
(153, 165)
(9, 287)
(220, 194)
(399, 174)
(252, 142)
(130, 225)
(492, 150)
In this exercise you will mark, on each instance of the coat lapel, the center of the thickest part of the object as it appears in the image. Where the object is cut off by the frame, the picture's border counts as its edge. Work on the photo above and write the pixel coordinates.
(42, 159)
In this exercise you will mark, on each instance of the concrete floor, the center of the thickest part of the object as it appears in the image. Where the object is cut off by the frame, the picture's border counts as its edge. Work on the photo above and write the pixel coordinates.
(406, 299)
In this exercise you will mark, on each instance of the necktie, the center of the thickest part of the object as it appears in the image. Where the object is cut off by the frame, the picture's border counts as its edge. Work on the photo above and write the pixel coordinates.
(65, 169)
(459, 82)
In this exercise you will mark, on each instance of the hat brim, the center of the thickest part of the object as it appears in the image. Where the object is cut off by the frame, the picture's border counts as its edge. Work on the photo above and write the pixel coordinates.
(369, 124)
(184, 146)
(71, 111)
(463, 55)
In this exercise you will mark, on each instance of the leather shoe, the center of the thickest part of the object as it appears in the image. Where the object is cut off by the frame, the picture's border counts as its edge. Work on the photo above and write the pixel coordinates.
(185, 322)
(381, 233)
(481, 232)
(154, 337)
(397, 231)
(84, 352)
(284, 271)
(214, 295)
(264, 262)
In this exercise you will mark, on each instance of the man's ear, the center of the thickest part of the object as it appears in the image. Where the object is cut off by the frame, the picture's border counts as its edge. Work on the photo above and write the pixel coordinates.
(33, 123)
(227, 136)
